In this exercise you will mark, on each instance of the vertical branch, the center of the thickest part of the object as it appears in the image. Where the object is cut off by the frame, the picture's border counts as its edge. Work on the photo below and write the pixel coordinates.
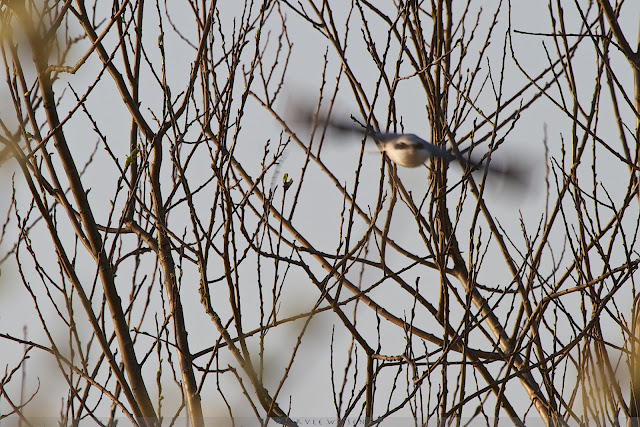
(634, 362)
(171, 286)
(39, 48)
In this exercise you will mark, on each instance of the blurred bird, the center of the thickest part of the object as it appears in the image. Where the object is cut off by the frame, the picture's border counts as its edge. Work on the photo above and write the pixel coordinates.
(410, 151)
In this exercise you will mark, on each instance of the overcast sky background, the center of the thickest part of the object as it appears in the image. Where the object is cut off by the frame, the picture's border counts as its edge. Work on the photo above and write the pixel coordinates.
(319, 211)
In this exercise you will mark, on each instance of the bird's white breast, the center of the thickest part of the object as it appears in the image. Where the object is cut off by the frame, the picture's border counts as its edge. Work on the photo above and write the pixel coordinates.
(406, 152)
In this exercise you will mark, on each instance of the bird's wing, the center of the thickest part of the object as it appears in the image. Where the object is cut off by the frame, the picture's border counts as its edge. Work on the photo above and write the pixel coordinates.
(513, 172)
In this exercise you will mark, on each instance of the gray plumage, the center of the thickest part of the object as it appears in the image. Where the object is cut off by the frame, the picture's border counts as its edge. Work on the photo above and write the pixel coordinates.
(409, 150)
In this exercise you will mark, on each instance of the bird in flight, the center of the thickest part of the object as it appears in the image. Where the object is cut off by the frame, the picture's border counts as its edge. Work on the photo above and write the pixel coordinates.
(410, 151)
